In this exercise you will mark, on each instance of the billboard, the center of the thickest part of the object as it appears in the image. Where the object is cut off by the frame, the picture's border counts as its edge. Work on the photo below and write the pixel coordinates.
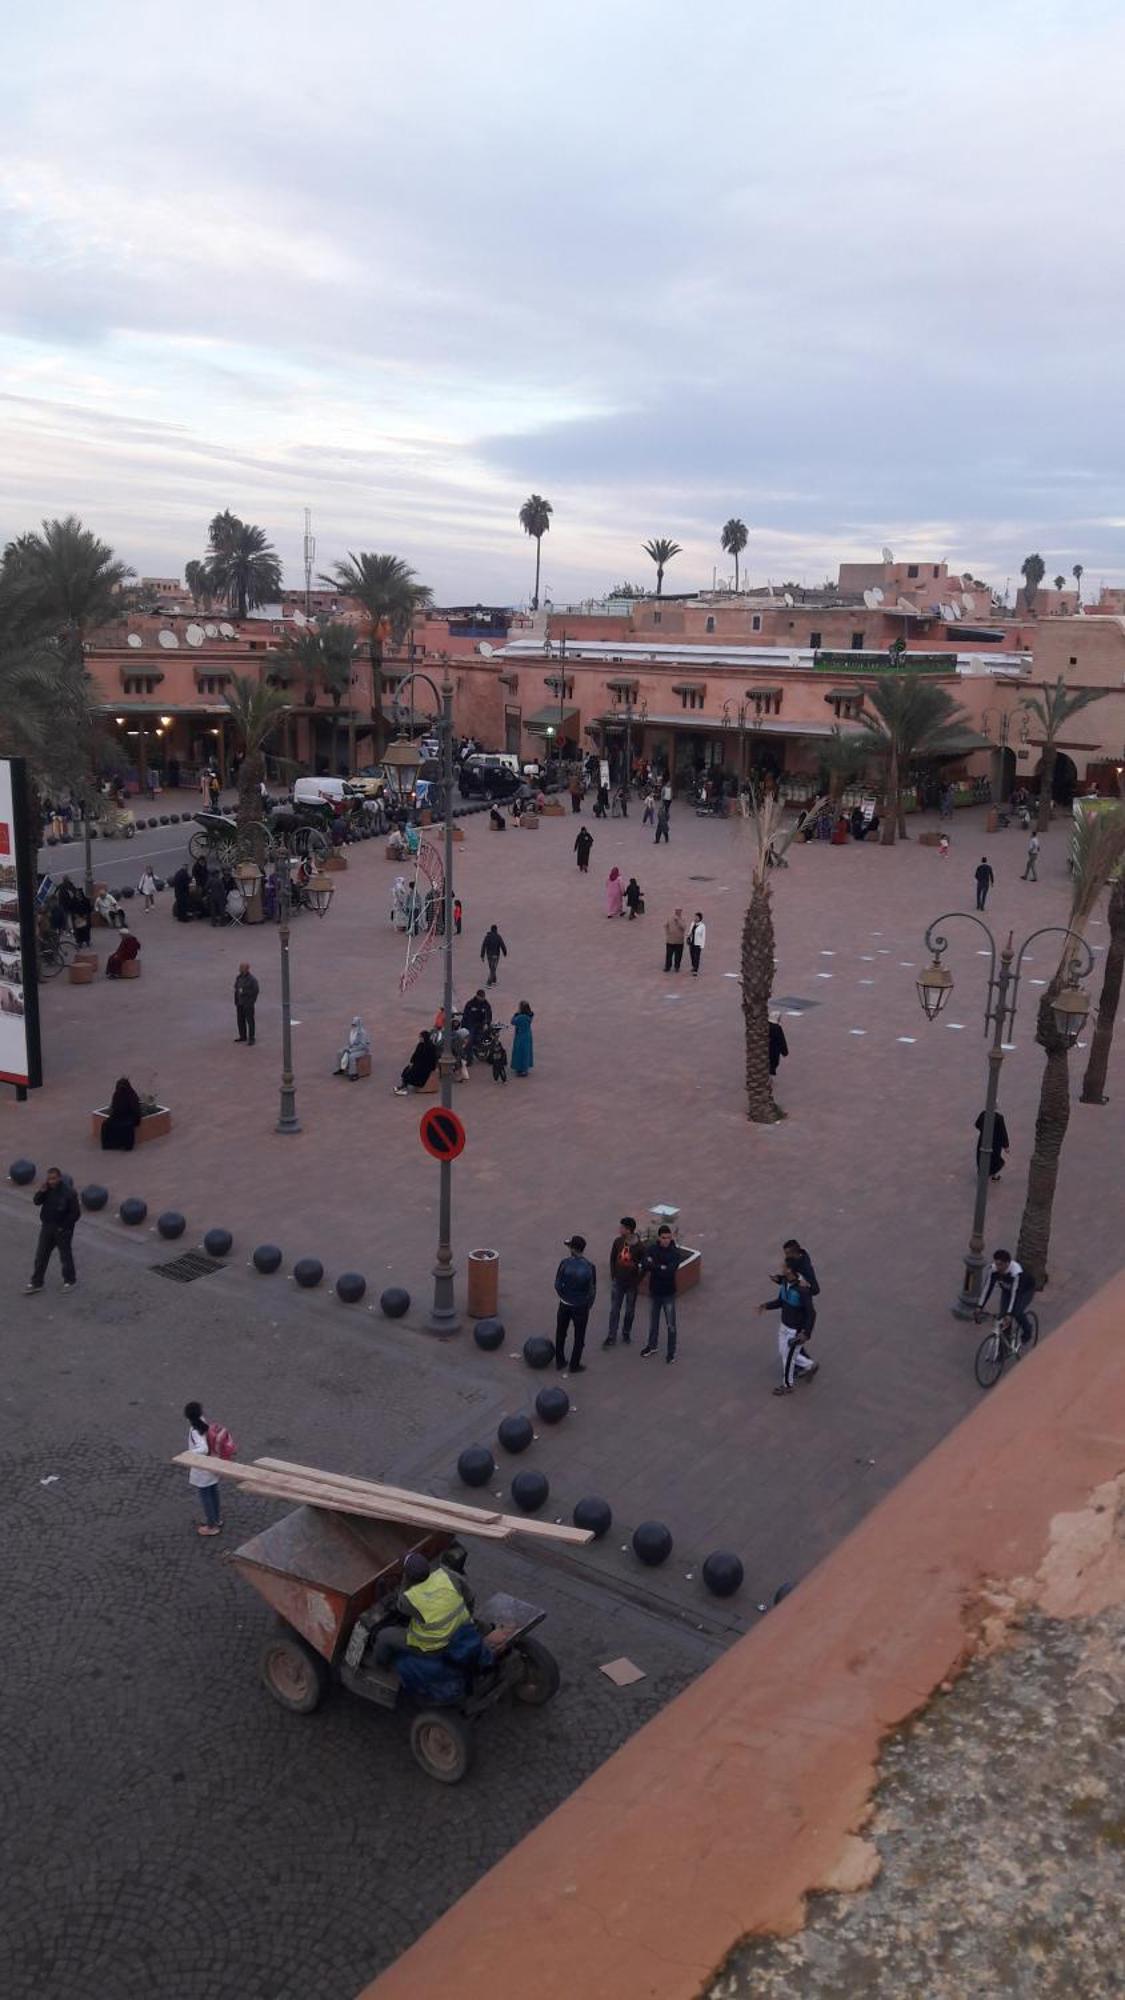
(20, 1061)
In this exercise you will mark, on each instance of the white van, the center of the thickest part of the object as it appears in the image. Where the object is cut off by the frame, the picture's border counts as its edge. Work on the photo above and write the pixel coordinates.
(325, 791)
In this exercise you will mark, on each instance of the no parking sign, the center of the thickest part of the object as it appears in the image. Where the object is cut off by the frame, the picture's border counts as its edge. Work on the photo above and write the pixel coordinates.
(442, 1133)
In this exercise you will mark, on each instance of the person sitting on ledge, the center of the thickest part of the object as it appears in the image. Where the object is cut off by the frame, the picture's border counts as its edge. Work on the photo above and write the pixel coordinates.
(421, 1066)
(496, 820)
(119, 1132)
(128, 949)
(110, 910)
(358, 1044)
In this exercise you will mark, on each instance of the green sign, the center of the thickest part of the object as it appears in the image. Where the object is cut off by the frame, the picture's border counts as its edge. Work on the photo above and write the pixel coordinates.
(884, 663)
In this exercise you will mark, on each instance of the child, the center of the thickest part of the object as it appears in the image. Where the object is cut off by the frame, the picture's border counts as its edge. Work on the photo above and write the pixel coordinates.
(456, 916)
(146, 887)
(943, 846)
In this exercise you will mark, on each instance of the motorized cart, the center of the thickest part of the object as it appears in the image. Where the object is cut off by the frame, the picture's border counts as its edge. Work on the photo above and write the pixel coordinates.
(332, 1570)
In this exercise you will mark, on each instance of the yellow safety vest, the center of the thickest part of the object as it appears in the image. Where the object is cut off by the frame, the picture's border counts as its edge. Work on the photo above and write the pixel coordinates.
(439, 1609)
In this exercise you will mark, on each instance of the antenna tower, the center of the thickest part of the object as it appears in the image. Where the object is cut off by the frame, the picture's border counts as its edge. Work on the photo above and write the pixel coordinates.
(310, 559)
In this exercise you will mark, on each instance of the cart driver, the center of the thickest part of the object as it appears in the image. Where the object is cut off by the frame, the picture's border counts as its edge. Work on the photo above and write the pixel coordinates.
(432, 1598)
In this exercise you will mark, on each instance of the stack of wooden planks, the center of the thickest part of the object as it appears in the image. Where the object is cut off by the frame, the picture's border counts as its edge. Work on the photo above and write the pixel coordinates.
(308, 1486)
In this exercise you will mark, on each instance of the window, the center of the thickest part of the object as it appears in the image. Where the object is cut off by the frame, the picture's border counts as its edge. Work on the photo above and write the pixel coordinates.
(857, 642)
(766, 701)
(691, 697)
(756, 622)
(845, 703)
(710, 625)
(814, 640)
(658, 617)
(911, 569)
(213, 683)
(1074, 659)
(937, 571)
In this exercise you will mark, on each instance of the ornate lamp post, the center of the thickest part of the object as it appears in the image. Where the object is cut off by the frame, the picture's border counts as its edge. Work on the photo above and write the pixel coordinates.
(318, 896)
(401, 762)
(1071, 1008)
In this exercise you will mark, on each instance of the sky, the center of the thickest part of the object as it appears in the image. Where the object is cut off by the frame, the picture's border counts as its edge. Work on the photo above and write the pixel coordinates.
(856, 276)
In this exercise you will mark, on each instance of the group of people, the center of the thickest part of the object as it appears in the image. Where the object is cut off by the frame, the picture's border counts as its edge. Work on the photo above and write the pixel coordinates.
(631, 1259)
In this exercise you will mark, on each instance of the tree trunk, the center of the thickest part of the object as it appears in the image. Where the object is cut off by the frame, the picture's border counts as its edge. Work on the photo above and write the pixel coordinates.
(736, 572)
(1050, 1130)
(1093, 1083)
(250, 774)
(377, 727)
(890, 801)
(660, 580)
(1046, 787)
(538, 554)
(757, 985)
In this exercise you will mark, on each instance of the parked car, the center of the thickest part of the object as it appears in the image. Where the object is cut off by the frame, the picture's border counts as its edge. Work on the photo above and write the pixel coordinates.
(485, 776)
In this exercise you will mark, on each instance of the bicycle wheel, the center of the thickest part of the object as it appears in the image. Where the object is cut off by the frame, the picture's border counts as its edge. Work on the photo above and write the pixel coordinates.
(49, 960)
(989, 1364)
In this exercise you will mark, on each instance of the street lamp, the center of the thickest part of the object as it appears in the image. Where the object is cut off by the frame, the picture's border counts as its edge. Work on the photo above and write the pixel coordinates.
(318, 895)
(1070, 1009)
(401, 763)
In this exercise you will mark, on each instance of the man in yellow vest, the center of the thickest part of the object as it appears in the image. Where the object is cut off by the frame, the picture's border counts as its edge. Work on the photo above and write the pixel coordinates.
(433, 1599)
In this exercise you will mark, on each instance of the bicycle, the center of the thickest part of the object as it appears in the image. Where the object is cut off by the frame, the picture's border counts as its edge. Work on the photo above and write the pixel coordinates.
(55, 951)
(1005, 1343)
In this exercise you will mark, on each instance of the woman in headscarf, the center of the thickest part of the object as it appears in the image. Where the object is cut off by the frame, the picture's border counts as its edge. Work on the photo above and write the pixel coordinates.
(119, 1132)
(129, 948)
(421, 1066)
(358, 1044)
(634, 898)
(614, 893)
(523, 1048)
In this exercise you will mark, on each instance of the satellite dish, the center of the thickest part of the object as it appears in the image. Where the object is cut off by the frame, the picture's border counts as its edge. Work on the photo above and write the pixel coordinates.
(300, 619)
(788, 597)
(135, 640)
(485, 650)
(956, 610)
(194, 635)
(888, 555)
(969, 601)
(226, 631)
(168, 640)
(877, 593)
(212, 631)
(904, 604)
(870, 600)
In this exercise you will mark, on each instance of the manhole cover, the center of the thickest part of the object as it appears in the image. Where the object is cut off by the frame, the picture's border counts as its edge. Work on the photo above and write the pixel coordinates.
(193, 1264)
(793, 1006)
(701, 878)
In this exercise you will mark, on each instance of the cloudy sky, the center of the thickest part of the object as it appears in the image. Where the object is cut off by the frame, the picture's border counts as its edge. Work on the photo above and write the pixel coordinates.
(856, 275)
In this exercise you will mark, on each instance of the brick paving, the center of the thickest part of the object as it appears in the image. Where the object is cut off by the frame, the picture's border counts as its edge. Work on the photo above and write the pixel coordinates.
(635, 1099)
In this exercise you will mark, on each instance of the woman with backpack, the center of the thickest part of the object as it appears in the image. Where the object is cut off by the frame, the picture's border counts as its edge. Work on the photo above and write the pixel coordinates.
(201, 1477)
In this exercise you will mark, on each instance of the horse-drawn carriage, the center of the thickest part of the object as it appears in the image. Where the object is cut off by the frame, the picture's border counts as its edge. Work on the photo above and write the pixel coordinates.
(295, 830)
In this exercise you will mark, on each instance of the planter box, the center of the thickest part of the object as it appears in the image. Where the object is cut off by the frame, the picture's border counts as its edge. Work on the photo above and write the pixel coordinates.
(131, 969)
(530, 821)
(552, 810)
(335, 863)
(153, 1126)
(82, 973)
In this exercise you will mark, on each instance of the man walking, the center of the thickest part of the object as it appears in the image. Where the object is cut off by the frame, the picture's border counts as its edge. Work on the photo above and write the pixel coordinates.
(696, 939)
(792, 1301)
(625, 1259)
(662, 1261)
(58, 1212)
(1030, 873)
(492, 950)
(245, 1001)
(985, 878)
(674, 933)
(576, 1284)
(662, 819)
(796, 1254)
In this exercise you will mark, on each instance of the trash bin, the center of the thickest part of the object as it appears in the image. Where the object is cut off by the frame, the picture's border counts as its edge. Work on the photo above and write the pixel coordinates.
(484, 1283)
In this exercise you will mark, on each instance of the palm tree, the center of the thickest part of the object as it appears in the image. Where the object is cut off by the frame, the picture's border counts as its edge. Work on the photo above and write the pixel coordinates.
(1058, 705)
(1077, 573)
(1097, 1066)
(912, 718)
(256, 709)
(64, 584)
(662, 552)
(535, 520)
(758, 964)
(242, 565)
(842, 758)
(337, 664)
(390, 594)
(199, 585)
(1032, 569)
(1099, 847)
(734, 538)
(1060, 583)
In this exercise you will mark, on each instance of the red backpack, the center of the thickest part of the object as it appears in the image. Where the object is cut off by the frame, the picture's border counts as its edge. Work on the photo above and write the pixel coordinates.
(220, 1443)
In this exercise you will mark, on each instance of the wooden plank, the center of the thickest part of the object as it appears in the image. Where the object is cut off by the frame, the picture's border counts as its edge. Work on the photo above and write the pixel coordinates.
(376, 1504)
(356, 1509)
(379, 1487)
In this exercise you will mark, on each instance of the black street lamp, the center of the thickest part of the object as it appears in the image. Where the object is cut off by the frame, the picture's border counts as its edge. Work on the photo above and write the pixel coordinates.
(1071, 1009)
(401, 763)
(318, 895)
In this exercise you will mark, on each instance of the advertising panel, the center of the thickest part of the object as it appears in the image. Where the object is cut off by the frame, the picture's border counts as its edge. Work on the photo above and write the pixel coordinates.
(20, 1061)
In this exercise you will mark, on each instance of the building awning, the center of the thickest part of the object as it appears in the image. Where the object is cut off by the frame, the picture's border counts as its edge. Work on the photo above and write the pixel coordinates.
(157, 708)
(689, 687)
(551, 718)
(770, 725)
(764, 694)
(852, 693)
(623, 687)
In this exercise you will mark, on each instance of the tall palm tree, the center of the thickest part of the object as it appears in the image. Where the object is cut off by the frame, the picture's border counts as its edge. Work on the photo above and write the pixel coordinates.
(337, 645)
(734, 538)
(662, 552)
(911, 718)
(1052, 711)
(64, 584)
(535, 520)
(1097, 1066)
(842, 758)
(758, 962)
(256, 709)
(1060, 583)
(1077, 573)
(1099, 846)
(199, 584)
(1032, 569)
(388, 591)
(242, 564)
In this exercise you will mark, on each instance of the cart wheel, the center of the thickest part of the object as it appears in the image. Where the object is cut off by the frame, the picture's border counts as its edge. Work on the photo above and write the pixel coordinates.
(295, 1675)
(442, 1743)
(540, 1680)
(197, 846)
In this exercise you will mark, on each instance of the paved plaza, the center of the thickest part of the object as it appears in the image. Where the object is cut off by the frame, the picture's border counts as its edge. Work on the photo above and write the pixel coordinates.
(188, 1831)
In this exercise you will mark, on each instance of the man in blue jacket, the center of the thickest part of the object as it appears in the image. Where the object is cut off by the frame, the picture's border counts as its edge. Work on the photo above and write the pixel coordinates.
(662, 1261)
(576, 1284)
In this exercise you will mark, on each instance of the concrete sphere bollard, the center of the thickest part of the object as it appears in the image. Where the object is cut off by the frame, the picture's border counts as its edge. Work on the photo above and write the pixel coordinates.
(723, 1573)
(308, 1271)
(127, 892)
(267, 1259)
(552, 1405)
(22, 1172)
(476, 1465)
(160, 882)
(133, 1210)
(594, 1514)
(515, 1433)
(171, 1224)
(652, 1543)
(350, 1287)
(218, 1242)
(394, 1303)
(94, 1197)
(530, 1490)
(164, 819)
(489, 1334)
(538, 1351)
